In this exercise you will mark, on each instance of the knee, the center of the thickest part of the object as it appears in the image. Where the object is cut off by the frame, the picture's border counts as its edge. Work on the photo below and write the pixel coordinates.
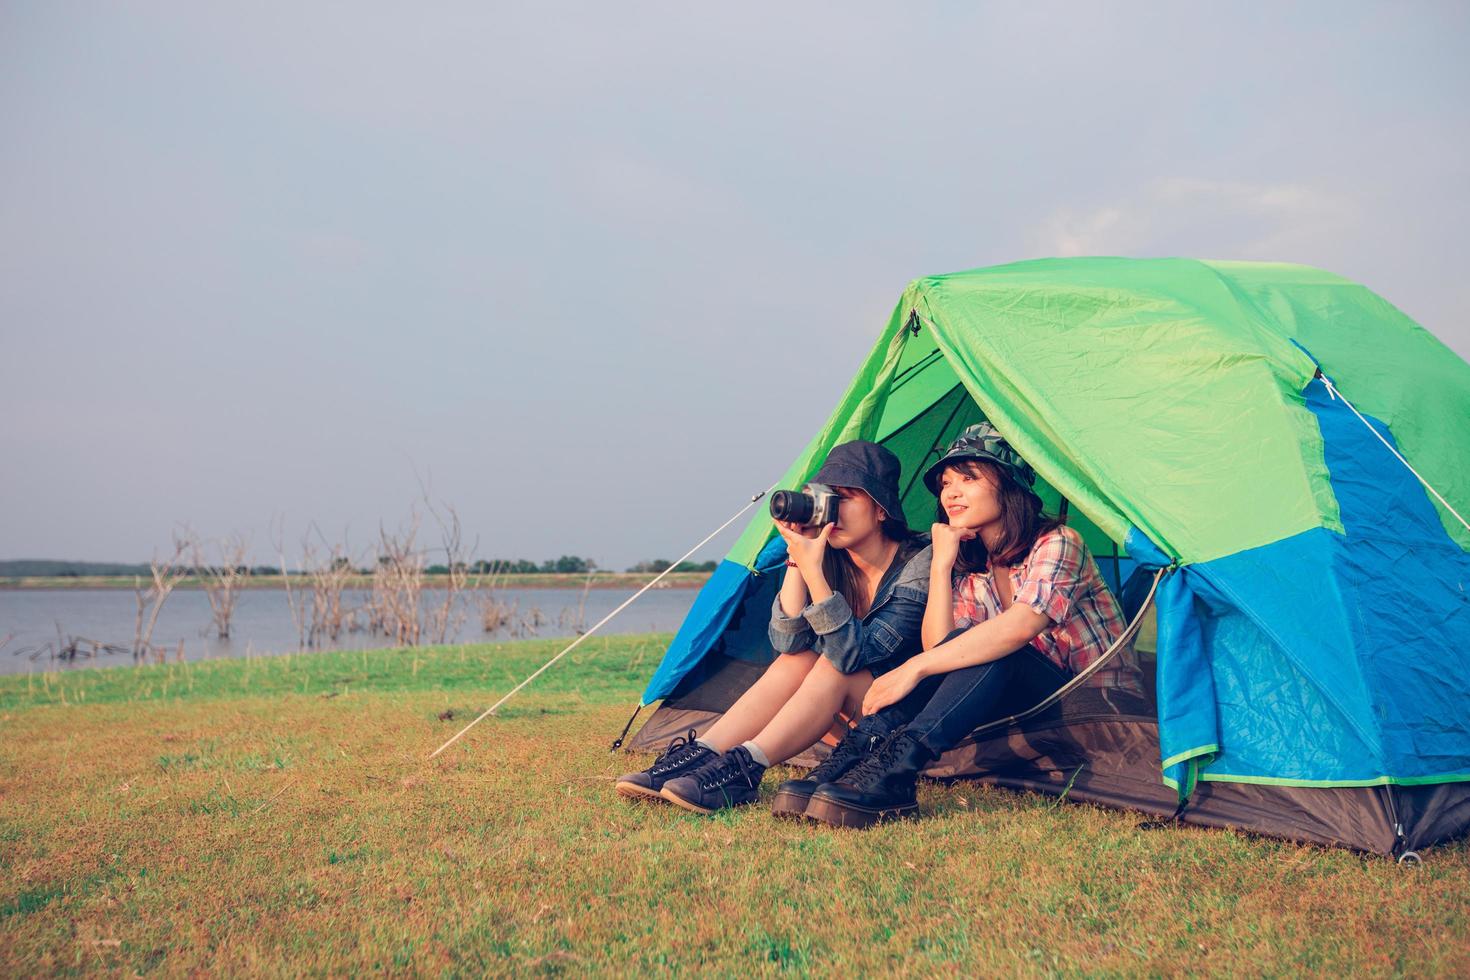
(793, 663)
(825, 672)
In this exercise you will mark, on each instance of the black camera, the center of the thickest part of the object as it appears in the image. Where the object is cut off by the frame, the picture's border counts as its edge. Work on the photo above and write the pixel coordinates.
(812, 506)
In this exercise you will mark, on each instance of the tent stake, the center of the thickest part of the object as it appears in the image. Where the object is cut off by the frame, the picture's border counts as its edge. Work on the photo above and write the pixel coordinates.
(618, 742)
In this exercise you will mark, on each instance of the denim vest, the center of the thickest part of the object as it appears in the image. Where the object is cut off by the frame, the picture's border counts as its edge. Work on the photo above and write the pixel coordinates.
(886, 636)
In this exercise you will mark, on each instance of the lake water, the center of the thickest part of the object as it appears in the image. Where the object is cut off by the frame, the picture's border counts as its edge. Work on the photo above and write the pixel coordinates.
(263, 624)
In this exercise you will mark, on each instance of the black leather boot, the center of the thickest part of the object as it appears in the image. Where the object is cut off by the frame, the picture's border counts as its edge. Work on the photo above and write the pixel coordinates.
(793, 795)
(881, 787)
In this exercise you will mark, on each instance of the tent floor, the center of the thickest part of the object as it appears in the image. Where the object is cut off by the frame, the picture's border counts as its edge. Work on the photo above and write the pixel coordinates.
(1100, 747)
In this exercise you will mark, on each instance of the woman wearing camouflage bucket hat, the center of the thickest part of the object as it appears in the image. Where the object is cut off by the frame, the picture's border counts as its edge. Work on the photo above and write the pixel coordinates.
(1016, 608)
(850, 608)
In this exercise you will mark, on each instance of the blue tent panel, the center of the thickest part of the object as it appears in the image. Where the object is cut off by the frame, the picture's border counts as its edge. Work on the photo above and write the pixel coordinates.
(1188, 723)
(707, 619)
(1294, 654)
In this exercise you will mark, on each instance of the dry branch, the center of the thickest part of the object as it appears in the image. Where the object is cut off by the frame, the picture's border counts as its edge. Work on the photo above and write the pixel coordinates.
(398, 584)
(329, 568)
(278, 537)
(223, 582)
(448, 616)
(165, 575)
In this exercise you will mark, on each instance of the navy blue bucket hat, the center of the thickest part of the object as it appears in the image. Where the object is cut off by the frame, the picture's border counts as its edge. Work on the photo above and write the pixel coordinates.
(865, 466)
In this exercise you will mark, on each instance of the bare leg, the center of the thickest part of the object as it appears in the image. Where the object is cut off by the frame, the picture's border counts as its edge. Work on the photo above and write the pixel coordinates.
(809, 713)
(758, 705)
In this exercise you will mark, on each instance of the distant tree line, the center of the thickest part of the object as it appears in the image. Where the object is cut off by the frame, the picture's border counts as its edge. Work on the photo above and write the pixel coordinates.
(40, 568)
(566, 564)
(662, 565)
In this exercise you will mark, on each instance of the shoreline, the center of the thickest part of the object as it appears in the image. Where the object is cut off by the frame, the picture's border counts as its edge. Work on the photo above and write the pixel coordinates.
(539, 580)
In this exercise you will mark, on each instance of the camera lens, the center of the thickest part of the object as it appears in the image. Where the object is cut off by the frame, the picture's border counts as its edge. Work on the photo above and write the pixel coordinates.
(792, 505)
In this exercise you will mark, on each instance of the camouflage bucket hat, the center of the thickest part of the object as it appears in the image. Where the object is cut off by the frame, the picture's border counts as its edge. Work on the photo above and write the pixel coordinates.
(982, 442)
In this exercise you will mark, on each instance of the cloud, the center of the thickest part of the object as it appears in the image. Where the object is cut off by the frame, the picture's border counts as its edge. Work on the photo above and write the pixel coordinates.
(1097, 231)
(1210, 219)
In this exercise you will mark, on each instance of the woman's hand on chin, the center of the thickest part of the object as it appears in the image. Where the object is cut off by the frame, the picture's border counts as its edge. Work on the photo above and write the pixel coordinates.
(806, 546)
(891, 688)
(947, 540)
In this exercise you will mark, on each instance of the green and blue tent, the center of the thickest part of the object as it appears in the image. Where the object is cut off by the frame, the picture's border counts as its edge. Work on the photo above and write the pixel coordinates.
(1290, 447)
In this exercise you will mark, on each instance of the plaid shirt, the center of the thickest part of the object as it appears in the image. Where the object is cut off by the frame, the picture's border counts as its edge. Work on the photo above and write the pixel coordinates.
(1060, 580)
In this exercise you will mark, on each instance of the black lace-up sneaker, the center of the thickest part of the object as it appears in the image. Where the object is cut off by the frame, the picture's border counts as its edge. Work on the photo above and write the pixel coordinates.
(881, 787)
(793, 795)
(731, 779)
(683, 756)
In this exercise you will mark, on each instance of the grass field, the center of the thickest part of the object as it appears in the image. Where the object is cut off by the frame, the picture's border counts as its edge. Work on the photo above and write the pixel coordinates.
(277, 816)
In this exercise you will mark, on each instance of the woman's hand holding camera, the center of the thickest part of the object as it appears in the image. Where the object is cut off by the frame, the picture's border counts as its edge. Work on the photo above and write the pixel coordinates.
(806, 546)
(947, 540)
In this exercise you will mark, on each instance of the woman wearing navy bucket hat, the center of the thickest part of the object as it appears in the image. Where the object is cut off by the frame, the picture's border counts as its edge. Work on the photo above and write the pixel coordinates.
(850, 608)
(1016, 608)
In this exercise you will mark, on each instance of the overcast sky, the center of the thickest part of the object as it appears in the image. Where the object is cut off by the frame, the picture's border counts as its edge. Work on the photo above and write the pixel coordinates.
(596, 273)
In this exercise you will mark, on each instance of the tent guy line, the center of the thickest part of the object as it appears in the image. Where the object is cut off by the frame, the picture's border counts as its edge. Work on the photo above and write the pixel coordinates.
(1333, 391)
(602, 622)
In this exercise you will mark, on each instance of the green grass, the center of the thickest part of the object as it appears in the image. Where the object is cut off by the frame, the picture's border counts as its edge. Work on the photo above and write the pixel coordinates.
(278, 816)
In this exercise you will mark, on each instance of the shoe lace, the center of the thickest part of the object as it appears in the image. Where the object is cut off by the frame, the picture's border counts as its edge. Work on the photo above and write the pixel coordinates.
(855, 743)
(728, 767)
(678, 752)
(876, 762)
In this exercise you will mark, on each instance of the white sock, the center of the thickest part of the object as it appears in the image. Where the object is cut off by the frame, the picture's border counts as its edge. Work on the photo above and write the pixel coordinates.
(700, 741)
(757, 754)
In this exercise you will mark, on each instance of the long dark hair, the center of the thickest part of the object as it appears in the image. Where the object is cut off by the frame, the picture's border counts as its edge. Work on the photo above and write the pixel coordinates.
(1022, 521)
(842, 575)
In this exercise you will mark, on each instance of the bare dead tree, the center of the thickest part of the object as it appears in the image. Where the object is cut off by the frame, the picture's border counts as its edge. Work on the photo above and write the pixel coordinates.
(329, 568)
(278, 537)
(398, 584)
(140, 598)
(69, 648)
(494, 613)
(581, 624)
(223, 582)
(165, 575)
(529, 624)
(448, 615)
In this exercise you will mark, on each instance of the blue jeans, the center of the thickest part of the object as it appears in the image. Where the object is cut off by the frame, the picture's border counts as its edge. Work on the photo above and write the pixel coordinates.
(942, 710)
